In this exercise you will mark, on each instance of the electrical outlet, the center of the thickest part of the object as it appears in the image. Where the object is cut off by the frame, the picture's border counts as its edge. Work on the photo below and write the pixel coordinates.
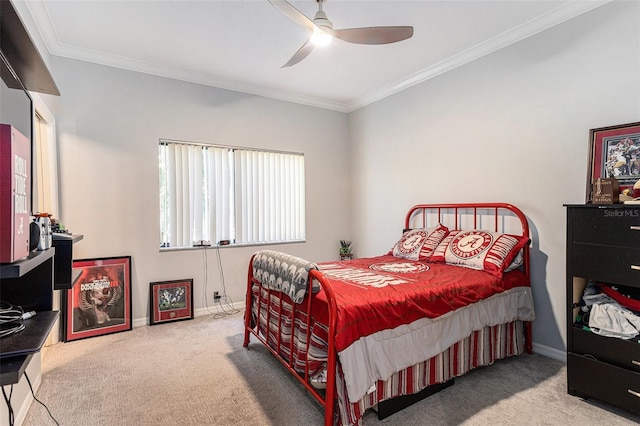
(216, 295)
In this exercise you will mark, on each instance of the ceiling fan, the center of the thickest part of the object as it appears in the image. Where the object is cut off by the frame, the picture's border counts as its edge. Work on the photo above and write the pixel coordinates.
(321, 31)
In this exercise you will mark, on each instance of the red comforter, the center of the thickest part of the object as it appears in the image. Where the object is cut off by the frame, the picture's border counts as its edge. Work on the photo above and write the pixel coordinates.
(384, 292)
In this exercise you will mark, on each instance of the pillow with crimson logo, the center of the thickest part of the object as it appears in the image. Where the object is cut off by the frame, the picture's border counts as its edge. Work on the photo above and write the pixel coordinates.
(419, 244)
(477, 249)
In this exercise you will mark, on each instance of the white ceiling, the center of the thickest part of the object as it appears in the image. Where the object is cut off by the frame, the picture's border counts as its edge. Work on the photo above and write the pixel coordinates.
(241, 44)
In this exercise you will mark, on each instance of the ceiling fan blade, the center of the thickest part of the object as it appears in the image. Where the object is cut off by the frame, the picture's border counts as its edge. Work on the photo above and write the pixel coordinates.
(372, 35)
(302, 53)
(292, 13)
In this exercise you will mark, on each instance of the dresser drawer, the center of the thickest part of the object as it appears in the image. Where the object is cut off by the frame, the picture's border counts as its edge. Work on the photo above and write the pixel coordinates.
(615, 385)
(607, 226)
(615, 265)
(619, 352)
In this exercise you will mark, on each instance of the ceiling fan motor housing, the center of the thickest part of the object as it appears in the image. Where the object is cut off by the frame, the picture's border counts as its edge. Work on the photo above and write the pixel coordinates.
(321, 20)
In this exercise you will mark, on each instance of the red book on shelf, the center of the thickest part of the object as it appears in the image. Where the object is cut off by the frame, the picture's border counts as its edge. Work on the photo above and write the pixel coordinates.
(15, 194)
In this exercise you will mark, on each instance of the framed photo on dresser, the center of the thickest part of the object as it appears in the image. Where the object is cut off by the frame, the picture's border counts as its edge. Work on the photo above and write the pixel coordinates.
(100, 301)
(614, 152)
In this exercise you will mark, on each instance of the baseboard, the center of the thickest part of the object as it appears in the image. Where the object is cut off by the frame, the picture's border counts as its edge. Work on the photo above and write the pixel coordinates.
(200, 312)
(22, 398)
(213, 310)
(550, 352)
(26, 404)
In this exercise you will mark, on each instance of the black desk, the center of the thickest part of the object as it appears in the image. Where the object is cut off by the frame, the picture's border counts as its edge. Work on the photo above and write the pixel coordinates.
(17, 350)
(13, 369)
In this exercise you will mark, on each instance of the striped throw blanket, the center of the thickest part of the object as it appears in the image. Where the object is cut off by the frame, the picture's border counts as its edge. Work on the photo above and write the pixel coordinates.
(283, 272)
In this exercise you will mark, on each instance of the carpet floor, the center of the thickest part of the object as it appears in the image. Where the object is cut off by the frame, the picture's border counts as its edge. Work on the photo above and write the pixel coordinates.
(197, 373)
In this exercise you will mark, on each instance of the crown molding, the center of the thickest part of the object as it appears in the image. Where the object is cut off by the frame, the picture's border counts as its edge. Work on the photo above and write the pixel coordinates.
(555, 17)
(129, 64)
(543, 22)
(45, 27)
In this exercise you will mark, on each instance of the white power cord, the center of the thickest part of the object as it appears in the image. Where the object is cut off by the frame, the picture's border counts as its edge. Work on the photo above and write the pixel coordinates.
(28, 315)
(10, 314)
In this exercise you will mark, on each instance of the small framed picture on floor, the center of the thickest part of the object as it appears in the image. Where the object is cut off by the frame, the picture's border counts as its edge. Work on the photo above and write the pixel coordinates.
(171, 301)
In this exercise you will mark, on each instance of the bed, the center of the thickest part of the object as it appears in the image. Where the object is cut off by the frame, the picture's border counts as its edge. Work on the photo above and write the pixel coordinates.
(452, 294)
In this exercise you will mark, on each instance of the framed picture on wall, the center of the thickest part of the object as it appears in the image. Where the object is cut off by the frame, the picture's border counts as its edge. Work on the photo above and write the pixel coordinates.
(614, 152)
(100, 301)
(171, 301)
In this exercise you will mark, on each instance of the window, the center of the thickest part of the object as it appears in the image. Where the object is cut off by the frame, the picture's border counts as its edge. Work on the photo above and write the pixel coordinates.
(214, 193)
(45, 171)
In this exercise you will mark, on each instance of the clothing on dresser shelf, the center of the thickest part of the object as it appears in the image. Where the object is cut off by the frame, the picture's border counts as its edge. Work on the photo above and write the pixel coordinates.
(612, 320)
(591, 299)
(609, 311)
(628, 297)
(590, 295)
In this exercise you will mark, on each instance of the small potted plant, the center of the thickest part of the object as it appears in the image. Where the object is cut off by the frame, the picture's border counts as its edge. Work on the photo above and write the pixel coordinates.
(345, 250)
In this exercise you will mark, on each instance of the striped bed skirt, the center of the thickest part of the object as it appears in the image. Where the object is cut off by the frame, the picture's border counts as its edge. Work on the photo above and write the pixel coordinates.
(483, 347)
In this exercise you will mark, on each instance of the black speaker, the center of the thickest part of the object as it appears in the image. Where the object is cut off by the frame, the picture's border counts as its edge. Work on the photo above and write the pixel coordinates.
(34, 236)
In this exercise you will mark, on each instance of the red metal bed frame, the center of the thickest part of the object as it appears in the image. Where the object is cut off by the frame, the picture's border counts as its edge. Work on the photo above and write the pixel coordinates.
(455, 210)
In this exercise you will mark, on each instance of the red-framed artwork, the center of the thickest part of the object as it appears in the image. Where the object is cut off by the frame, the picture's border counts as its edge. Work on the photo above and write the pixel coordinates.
(100, 301)
(171, 301)
(614, 152)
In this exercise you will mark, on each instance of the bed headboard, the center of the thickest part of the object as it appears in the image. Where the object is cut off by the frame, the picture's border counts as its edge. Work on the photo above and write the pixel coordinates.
(497, 217)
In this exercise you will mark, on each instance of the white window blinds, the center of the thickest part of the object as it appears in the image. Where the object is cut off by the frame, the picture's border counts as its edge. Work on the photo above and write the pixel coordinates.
(218, 193)
(271, 196)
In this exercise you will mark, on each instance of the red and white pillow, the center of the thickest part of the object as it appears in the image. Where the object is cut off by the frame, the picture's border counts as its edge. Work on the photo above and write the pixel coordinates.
(419, 244)
(477, 249)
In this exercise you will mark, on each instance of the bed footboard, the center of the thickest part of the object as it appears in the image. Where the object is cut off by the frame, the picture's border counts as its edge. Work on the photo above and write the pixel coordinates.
(327, 397)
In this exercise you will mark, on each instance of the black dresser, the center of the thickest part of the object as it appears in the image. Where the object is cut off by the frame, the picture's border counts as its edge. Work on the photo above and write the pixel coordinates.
(603, 244)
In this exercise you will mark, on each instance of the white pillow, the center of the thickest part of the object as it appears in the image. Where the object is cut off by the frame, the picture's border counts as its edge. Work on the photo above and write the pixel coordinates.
(483, 250)
(419, 244)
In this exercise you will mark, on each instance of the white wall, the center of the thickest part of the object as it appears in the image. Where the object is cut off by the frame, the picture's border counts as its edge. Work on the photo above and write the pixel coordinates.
(109, 123)
(512, 126)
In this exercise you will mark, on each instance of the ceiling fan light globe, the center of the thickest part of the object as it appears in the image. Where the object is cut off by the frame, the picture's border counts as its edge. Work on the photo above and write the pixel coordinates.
(320, 38)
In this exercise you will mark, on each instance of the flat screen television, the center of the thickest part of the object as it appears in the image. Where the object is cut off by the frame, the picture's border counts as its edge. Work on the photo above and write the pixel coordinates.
(16, 107)
(16, 161)
(15, 104)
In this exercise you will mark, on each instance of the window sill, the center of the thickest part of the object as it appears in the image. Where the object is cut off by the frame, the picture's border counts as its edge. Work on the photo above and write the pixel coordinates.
(233, 245)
